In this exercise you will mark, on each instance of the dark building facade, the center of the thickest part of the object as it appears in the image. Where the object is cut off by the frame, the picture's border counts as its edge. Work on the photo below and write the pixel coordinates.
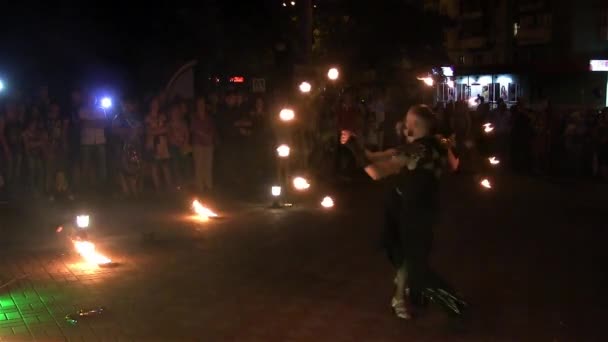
(539, 49)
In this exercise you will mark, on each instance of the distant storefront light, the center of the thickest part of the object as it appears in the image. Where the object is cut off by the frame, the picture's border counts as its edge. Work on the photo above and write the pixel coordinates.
(598, 64)
(237, 79)
(447, 71)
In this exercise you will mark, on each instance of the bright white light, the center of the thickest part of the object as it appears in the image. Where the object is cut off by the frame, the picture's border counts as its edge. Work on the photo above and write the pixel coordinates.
(488, 128)
(427, 80)
(484, 80)
(276, 191)
(300, 183)
(287, 114)
(284, 5)
(305, 87)
(293, 3)
(283, 151)
(450, 83)
(472, 101)
(493, 161)
(82, 221)
(333, 74)
(1, 85)
(106, 102)
(447, 71)
(504, 80)
(486, 183)
(327, 202)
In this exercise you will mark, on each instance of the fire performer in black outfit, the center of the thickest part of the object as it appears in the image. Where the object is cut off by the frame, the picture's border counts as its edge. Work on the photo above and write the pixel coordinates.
(415, 168)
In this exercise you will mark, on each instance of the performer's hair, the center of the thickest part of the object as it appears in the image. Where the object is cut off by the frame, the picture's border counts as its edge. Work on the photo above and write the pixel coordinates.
(425, 113)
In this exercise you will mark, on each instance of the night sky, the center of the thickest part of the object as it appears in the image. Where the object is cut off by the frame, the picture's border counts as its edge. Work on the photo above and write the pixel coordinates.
(115, 43)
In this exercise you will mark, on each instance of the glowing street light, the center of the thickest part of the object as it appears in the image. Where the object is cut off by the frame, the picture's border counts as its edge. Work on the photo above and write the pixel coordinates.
(287, 114)
(305, 87)
(427, 80)
(493, 160)
(293, 3)
(283, 151)
(327, 202)
(300, 183)
(82, 221)
(333, 74)
(275, 191)
(106, 102)
(1, 85)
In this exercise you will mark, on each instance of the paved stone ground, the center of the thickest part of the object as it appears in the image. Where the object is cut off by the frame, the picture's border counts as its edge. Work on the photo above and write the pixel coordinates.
(525, 255)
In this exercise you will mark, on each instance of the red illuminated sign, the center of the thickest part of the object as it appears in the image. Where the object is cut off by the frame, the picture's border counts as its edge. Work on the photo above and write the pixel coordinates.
(237, 79)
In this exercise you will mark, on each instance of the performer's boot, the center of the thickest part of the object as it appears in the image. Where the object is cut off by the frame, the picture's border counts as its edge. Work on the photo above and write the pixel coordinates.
(452, 303)
(400, 309)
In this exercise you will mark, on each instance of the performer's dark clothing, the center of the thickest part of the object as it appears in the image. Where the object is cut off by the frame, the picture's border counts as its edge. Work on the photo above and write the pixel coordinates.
(411, 212)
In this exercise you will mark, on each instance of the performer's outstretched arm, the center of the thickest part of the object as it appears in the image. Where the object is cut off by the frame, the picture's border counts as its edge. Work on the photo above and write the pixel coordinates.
(376, 165)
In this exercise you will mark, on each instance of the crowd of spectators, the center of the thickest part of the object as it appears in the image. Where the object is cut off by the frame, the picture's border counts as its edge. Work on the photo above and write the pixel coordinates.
(162, 144)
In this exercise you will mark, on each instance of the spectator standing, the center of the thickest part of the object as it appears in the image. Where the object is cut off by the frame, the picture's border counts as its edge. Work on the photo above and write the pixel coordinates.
(128, 128)
(13, 129)
(204, 137)
(349, 118)
(93, 122)
(179, 146)
(157, 145)
(33, 142)
(74, 146)
(56, 153)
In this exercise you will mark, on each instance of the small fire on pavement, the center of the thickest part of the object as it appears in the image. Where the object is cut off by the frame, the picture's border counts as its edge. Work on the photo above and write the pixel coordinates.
(202, 211)
(86, 249)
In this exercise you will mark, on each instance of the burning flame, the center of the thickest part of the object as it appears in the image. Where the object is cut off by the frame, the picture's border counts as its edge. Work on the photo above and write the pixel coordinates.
(427, 80)
(333, 74)
(305, 87)
(494, 161)
(327, 202)
(486, 183)
(300, 183)
(287, 114)
(488, 128)
(283, 151)
(86, 249)
(202, 211)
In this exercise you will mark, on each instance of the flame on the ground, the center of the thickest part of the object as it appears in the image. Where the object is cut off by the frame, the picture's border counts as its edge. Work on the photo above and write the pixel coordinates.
(494, 161)
(202, 211)
(486, 183)
(327, 202)
(86, 249)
